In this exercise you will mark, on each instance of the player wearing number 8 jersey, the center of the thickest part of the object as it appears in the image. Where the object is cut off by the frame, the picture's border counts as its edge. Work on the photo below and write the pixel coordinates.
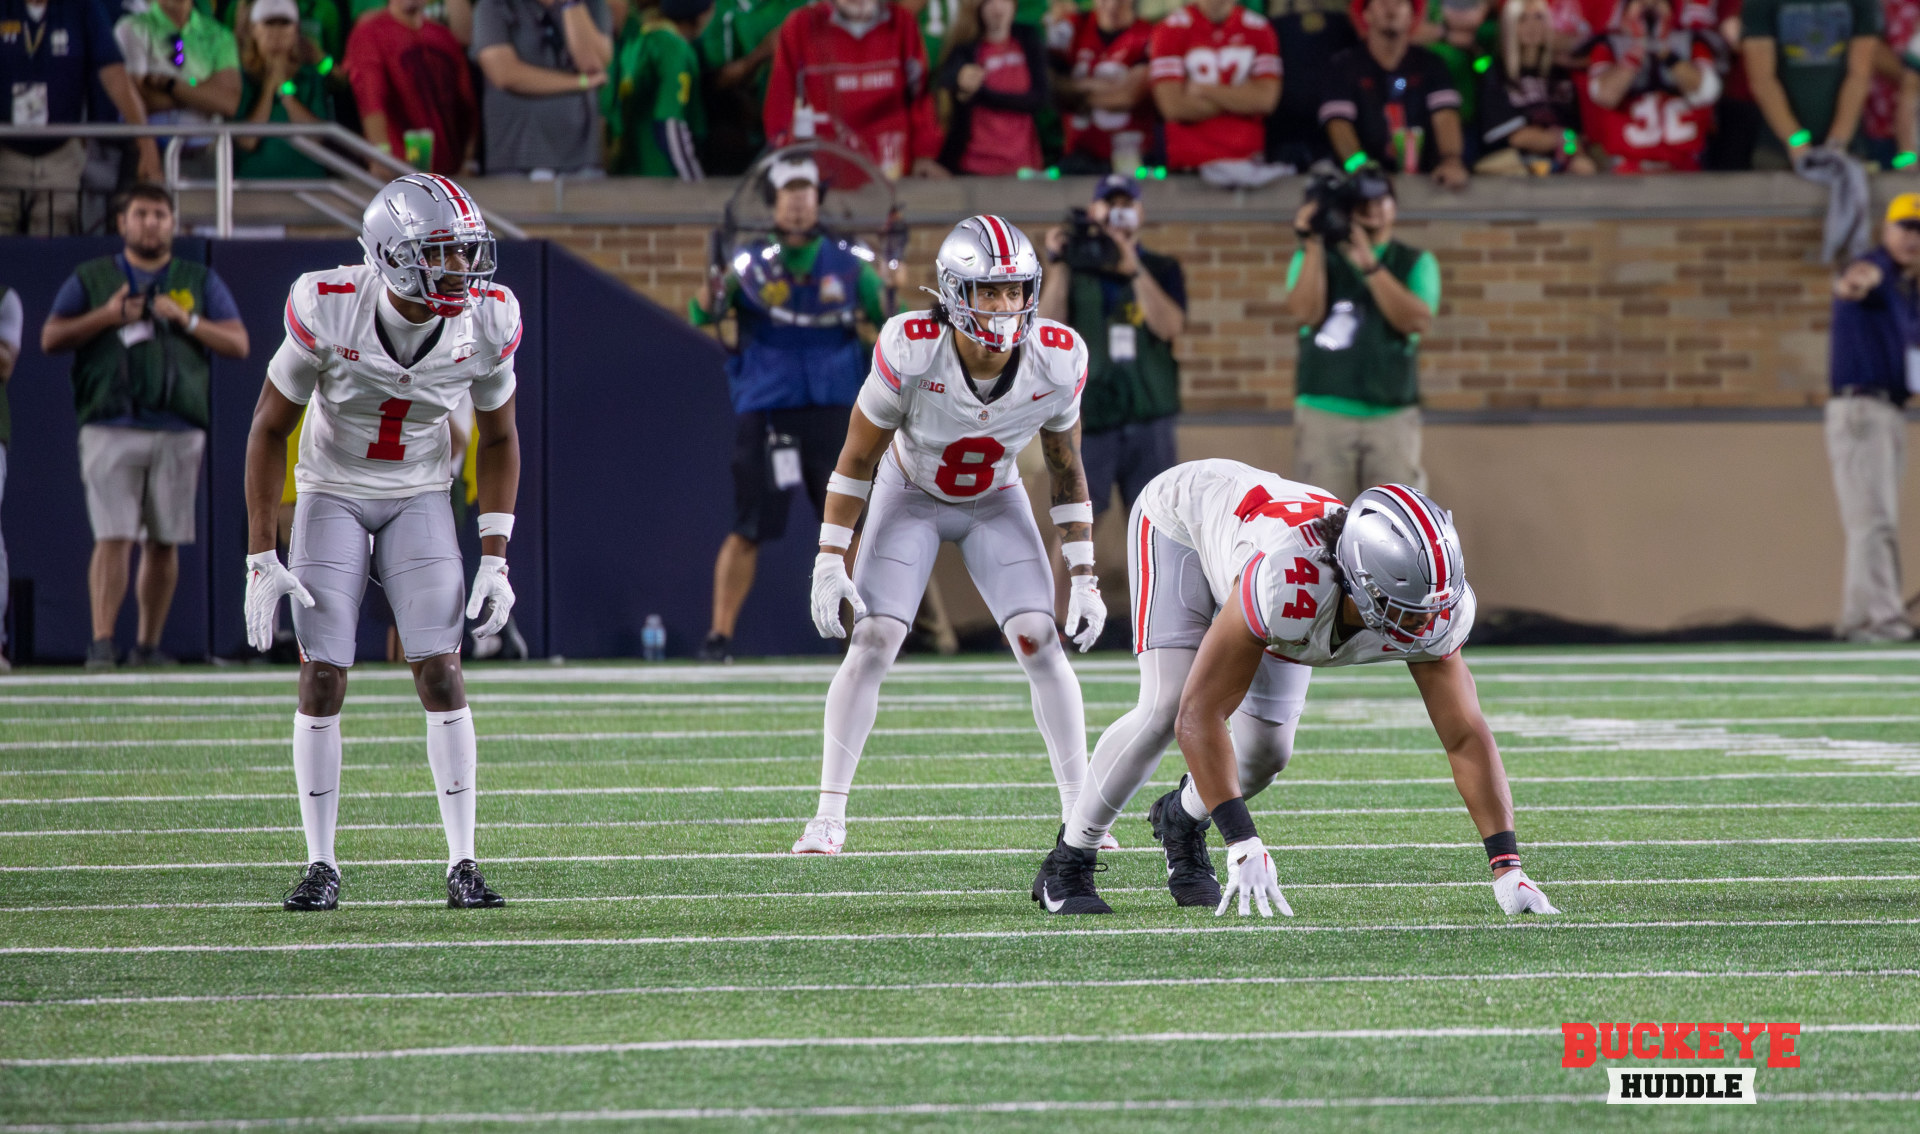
(1243, 583)
(953, 396)
(380, 354)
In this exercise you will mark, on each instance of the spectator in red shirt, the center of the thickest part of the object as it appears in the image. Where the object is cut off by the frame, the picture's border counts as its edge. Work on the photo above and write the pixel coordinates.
(1653, 84)
(996, 75)
(1216, 76)
(1111, 121)
(855, 72)
(409, 73)
(1889, 122)
(1393, 100)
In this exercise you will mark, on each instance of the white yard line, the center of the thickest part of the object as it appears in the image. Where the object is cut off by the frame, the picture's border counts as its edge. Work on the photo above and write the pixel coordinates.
(1256, 926)
(699, 789)
(944, 853)
(771, 895)
(700, 990)
(750, 1043)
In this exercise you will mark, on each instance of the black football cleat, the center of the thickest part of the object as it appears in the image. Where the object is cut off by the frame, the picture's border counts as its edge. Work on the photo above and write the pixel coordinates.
(1190, 875)
(467, 890)
(1065, 882)
(319, 889)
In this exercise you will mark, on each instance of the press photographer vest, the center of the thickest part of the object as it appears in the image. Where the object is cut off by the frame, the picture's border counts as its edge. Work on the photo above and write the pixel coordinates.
(1145, 388)
(784, 366)
(167, 373)
(1354, 352)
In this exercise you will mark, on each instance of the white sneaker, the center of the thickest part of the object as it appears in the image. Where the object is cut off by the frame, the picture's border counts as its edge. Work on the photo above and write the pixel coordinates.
(821, 836)
(1109, 842)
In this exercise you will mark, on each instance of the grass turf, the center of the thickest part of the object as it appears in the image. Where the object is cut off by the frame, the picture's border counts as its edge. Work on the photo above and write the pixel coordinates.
(1730, 832)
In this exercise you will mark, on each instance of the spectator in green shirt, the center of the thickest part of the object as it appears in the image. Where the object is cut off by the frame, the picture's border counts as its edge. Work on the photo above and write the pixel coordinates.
(1810, 63)
(183, 62)
(1467, 34)
(278, 83)
(651, 100)
(736, 56)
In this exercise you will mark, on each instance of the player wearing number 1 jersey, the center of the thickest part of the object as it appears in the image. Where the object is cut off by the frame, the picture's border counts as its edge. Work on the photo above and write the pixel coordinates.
(1243, 583)
(953, 396)
(380, 354)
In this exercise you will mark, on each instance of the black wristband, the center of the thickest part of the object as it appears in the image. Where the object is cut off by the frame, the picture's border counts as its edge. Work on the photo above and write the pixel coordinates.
(1503, 850)
(1303, 233)
(1377, 265)
(1235, 823)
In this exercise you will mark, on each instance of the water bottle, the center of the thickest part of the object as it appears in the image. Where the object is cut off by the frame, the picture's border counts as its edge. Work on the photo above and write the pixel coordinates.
(653, 639)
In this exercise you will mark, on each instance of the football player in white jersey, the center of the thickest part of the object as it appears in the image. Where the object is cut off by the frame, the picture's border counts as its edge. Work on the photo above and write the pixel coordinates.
(954, 395)
(1242, 584)
(380, 354)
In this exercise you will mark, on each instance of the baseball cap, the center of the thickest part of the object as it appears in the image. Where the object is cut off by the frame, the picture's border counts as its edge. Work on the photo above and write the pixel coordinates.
(1116, 183)
(1905, 207)
(264, 10)
(684, 9)
(786, 171)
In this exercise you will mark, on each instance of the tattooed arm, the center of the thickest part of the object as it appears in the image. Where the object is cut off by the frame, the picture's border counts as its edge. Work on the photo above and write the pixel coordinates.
(1069, 478)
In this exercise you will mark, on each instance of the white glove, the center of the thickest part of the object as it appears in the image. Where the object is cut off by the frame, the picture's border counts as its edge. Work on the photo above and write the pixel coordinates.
(267, 580)
(1250, 874)
(1084, 605)
(490, 582)
(1517, 894)
(830, 586)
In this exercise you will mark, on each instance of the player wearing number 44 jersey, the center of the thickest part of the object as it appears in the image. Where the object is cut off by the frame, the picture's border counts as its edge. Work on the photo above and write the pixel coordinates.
(380, 354)
(953, 396)
(1243, 583)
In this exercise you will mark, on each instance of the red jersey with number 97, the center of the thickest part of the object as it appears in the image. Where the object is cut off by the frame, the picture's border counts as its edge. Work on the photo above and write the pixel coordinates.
(949, 441)
(376, 429)
(1658, 130)
(1253, 528)
(1189, 48)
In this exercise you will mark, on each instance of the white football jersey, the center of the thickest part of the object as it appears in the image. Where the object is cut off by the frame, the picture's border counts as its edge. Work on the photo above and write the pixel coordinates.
(947, 441)
(1241, 520)
(376, 429)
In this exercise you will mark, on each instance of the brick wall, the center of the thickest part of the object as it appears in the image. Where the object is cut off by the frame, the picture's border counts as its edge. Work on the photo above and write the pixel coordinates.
(1550, 315)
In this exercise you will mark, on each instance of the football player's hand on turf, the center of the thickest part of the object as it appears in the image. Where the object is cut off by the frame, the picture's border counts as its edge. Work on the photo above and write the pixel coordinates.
(490, 582)
(1086, 612)
(830, 586)
(1517, 894)
(1250, 875)
(267, 580)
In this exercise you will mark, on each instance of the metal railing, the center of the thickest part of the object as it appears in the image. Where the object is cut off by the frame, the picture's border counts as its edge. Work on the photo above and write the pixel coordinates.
(307, 138)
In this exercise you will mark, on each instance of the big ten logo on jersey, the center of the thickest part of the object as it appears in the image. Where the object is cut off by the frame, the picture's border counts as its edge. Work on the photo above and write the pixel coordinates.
(1220, 66)
(348, 353)
(930, 384)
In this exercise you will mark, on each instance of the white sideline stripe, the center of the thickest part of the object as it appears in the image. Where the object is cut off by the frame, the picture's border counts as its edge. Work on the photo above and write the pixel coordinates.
(964, 935)
(775, 820)
(545, 737)
(971, 986)
(784, 856)
(746, 1043)
(769, 895)
(658, 761)
(697, 789)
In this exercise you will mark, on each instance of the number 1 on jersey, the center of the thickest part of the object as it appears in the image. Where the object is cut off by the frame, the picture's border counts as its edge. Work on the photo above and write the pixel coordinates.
(393, 411)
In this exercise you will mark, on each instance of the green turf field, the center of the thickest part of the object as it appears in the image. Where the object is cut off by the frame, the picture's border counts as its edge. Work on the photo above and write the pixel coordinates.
(1732, 834)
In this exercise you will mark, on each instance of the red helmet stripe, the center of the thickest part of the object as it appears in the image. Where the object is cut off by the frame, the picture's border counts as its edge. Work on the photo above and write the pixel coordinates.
(455, 194)
(1249, 602)
(1436, 549)
(994, 225)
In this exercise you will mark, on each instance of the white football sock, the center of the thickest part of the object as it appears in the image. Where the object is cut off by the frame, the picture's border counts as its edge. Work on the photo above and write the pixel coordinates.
(1057, 705)
(1190, 801)
(852, 702)
(316, 775)
(454, 756)
(1131, 747)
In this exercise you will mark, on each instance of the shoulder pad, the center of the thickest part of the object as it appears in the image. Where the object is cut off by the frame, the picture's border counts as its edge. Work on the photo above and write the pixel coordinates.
(909, 344)
(1060, 352)
(320, 303)
(496, 319)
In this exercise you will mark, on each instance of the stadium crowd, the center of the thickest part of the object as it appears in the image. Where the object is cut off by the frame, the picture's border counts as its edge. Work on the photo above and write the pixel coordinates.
(1238, 93)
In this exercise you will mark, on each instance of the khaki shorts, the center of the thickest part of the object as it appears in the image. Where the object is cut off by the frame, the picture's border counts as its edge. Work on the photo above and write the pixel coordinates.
(141, 483)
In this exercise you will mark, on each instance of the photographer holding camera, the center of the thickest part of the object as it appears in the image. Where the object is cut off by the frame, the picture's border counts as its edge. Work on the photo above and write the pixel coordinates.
(1364, 300)
(1128, 304)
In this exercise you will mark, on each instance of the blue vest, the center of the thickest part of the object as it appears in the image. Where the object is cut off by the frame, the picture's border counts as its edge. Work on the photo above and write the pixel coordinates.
(782, 365)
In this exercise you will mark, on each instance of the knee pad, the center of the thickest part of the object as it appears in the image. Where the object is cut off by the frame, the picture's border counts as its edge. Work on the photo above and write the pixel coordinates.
(875, 641)
(1034, 638)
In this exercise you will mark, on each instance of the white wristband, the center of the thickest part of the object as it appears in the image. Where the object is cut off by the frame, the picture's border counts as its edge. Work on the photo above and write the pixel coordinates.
(1064, 514)
(1079, 553)
(848, 486)
(833, 535)
(496, 523)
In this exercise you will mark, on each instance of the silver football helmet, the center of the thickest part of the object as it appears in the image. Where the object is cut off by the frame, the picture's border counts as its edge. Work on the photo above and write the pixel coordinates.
(1400, 562)
(981, 250)
(428, 241)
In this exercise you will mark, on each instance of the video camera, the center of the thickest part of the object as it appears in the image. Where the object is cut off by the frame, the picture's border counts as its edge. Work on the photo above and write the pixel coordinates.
(1089, 248)
(1338, 193)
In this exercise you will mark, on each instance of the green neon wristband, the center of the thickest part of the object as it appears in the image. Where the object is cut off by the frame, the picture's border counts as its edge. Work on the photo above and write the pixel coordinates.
(1799, 138)
(1573, 142)
(1356, 161)
(1904, 159)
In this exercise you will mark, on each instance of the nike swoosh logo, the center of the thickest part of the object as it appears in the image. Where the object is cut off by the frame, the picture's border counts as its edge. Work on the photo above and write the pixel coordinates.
(319, 727)
(1046, 900)
(457, 792)
(1048, 394)
(317, 794)
(1526, 886)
